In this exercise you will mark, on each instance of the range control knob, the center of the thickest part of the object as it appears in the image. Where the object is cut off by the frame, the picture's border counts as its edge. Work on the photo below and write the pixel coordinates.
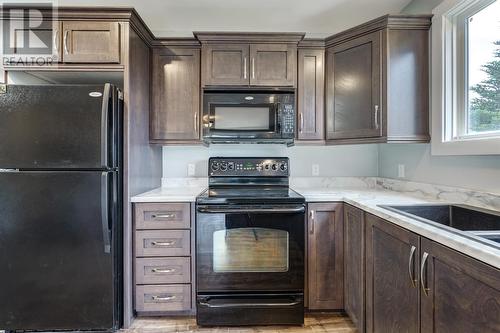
(274, 166)
(215, 166)
(223, 166)
(283, 167)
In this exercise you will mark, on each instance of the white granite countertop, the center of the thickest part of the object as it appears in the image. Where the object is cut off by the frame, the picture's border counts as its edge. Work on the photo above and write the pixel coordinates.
(367, 198)
(170, 194)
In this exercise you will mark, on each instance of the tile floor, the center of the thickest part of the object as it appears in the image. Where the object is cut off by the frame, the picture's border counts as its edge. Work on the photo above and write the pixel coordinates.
(314, 323)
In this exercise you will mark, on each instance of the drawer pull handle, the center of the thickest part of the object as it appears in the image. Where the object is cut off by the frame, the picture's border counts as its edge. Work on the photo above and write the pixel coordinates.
(169, 243)
(163, 216)
(163, 298)
(163, 270)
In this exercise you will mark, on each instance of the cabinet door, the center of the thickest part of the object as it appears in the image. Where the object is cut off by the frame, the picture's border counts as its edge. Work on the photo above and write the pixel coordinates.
(392, 291)
(175, 95)
(461, 294)
(273, 64)
(91, 42)
(225, 64)
(310, 106)
(325, 256)
(39, 40)
(354, 88)
(354, 265)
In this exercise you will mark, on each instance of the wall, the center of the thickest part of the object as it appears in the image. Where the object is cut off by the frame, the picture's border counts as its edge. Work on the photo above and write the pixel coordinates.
(358, 160)
(421, 6)
(475, 172)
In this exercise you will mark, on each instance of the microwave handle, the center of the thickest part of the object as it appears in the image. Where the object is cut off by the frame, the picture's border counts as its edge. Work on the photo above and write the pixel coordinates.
(278, 117)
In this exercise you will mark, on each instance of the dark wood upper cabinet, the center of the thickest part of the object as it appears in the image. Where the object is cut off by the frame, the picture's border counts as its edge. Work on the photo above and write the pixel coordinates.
(354, 265)
(325, 256)
(353, 88)
(273, 64)
(310, 94)
(377, 81)
(461, 294)
(392, 291)
(175, 112)
(249, 59)
(226, 64)
(90, 42)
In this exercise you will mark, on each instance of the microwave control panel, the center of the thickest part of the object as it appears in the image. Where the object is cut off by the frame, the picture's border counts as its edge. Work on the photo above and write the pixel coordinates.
(288, 119)
(249, 166)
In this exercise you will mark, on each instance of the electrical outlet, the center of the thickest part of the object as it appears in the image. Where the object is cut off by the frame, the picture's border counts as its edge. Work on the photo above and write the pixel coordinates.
(315, 169)
(401, 170)
(191, 170)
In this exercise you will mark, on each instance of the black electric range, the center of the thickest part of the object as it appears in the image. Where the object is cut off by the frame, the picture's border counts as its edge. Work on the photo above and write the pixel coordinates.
(250, 245)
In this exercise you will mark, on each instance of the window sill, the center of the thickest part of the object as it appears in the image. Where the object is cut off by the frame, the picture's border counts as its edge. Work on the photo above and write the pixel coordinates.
(476, 146)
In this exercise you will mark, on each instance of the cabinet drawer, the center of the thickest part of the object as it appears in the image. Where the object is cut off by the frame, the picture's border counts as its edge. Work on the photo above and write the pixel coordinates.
(163, 298)
(162, 270)
(163, 216)
(162, 243)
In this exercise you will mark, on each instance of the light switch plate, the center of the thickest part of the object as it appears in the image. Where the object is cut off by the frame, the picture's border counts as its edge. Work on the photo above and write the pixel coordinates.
(401, 170)
(191, 170)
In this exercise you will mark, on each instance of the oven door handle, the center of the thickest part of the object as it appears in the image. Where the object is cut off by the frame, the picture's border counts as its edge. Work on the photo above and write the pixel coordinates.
(249, 305)
(276, 210)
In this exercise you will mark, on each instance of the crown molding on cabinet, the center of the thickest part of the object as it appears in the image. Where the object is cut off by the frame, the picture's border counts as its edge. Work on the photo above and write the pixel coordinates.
(249, 37)
(410, 22)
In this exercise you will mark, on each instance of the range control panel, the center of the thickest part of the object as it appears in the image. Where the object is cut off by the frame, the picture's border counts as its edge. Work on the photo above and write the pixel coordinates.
(248, 167)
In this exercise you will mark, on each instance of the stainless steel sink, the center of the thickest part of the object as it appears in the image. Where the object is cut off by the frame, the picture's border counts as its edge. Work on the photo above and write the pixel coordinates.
(462, 219)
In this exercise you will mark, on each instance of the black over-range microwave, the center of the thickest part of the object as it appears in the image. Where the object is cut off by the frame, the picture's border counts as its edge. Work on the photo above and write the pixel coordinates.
(249, 117)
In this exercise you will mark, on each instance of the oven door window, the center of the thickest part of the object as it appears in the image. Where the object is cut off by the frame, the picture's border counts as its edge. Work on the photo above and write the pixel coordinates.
(253, 250)
(251, 118)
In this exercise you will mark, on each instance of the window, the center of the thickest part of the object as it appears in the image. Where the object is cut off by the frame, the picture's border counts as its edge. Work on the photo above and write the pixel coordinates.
(466, 78)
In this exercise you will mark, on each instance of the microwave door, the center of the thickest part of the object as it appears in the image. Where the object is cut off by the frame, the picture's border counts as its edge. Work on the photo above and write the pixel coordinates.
(249, 121)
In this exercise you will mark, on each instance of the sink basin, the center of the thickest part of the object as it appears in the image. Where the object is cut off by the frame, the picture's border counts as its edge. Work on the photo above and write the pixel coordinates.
(459, 217)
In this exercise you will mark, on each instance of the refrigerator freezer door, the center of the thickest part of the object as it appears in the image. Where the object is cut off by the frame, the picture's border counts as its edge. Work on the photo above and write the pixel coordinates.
(55, 272)
(56, 127)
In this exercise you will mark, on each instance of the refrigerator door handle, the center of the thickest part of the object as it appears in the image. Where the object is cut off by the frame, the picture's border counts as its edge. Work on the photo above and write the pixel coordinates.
(106, 99)
(106, 233)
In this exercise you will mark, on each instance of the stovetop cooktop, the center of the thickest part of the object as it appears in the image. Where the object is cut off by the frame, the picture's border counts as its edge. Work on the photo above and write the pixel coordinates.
(248, 194)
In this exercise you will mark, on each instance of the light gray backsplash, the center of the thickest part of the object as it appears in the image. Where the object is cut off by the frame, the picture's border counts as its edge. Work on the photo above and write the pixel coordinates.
(355, 160)
(474, 172)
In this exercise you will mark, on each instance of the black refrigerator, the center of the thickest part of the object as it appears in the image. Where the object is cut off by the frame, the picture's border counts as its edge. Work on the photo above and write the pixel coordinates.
(60, 208)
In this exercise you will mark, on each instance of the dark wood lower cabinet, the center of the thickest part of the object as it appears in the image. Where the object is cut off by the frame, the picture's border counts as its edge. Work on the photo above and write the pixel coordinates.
(325, 256)
(392, 291)
(461, 294)
(354, 265)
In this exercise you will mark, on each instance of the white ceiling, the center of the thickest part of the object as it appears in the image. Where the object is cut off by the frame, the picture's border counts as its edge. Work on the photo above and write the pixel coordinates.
(319, 18)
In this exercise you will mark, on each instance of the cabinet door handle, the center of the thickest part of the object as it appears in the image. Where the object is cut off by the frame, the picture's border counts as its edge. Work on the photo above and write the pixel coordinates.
(311, 222)
(163, 298)
(163, 216)
(411, 266)
(65, 41)
(301, 121)
(376, 117)
(196, 122)
(423, 274)
(157, 243)
(163, 270)
(56, 39)
(253, 68)
(245, 67)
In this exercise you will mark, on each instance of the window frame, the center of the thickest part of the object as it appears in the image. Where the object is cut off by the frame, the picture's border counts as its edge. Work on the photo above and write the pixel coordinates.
(449, 83)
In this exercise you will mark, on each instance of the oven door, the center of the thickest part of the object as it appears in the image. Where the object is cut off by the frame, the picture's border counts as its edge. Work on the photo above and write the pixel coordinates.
(250, 249)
